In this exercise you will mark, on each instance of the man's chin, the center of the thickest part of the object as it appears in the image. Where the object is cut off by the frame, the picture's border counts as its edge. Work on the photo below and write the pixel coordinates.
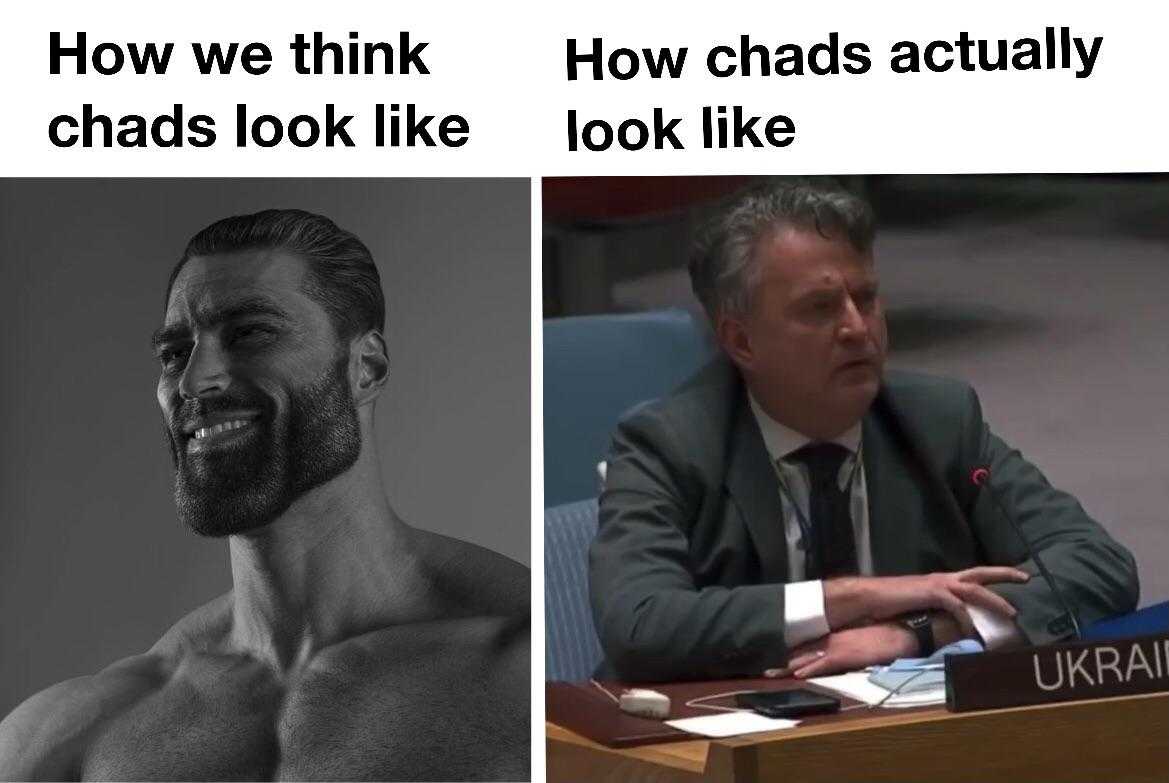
(215, 527)
(854, 393)
(217, 514)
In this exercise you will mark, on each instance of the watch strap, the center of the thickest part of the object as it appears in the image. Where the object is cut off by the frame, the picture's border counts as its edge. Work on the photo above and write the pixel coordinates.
(922, 628)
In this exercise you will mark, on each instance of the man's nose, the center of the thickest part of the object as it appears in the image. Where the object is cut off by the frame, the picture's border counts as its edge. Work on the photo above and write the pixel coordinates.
(206, 371)
(852, 323)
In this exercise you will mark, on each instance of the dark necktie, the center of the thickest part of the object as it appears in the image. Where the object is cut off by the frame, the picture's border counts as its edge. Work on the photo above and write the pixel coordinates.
(828, 506)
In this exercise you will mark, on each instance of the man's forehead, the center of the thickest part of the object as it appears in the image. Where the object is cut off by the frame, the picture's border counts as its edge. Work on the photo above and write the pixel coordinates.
(209, 284)
(798, 257)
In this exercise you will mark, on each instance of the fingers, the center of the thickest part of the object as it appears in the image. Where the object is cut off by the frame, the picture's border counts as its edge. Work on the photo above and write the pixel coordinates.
(803, 660)
(980, 596)
(966, 624)
(795, 662)
(962, 617)
(815, 669)
(943, 598)
(987, 574)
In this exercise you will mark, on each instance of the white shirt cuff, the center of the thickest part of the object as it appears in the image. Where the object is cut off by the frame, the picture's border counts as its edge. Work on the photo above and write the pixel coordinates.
(996, 631)
(803, 612)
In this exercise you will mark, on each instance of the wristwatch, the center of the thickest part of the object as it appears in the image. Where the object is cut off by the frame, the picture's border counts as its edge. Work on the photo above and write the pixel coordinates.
(922, 628)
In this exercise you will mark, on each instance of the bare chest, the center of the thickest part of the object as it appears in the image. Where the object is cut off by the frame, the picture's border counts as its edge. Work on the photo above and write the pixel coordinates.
(383, 722)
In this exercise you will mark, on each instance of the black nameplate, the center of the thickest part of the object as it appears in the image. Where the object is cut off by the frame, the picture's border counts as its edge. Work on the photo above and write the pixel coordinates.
(1059, 672)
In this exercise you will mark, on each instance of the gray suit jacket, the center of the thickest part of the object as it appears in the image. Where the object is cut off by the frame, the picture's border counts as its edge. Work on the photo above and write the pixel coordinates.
(689, 555)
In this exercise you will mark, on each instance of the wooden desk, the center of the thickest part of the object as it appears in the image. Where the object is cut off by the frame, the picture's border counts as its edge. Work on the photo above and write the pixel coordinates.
(1119, 739)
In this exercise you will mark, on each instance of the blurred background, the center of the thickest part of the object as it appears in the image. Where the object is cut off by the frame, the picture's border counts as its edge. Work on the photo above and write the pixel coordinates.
(1047, 292)
(94, 565)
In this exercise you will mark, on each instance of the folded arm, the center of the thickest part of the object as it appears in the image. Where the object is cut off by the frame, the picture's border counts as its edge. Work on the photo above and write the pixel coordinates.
(1096, 575)
(654, 622)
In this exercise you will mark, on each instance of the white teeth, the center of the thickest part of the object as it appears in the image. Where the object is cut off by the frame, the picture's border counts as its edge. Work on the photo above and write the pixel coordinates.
(234, 424)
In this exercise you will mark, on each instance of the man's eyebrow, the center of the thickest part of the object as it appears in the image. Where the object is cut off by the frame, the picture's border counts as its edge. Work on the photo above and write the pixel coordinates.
(169, 334)
(815, 292)
(242, 308)
(234, 310)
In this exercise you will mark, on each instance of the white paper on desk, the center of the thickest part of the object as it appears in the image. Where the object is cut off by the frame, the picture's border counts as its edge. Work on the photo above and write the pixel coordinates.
(856, 685)
(730, 724)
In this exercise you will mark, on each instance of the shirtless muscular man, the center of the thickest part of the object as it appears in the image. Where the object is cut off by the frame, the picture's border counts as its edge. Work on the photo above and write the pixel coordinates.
(352, 646)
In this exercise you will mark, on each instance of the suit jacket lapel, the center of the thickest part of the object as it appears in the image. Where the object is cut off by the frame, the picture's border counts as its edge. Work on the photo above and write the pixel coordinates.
(888, 479)
(898, 466)
(754, 488)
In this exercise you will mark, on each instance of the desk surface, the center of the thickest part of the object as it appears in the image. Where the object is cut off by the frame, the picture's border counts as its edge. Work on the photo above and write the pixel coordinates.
(1122, 738)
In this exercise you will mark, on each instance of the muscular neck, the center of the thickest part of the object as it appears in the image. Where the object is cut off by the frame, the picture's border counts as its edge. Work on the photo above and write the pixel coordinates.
(337, 564)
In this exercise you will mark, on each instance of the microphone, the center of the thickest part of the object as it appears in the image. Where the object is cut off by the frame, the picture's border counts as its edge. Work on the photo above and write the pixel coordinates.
(980, 477)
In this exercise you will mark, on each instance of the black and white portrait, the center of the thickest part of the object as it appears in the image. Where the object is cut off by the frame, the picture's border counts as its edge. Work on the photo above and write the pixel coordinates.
(265, 479)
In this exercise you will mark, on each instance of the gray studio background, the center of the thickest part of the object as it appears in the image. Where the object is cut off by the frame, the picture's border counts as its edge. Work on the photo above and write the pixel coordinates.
(93, 563)
(1049, 293)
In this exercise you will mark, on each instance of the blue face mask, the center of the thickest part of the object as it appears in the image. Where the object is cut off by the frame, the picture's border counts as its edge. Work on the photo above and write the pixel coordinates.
(910, 675)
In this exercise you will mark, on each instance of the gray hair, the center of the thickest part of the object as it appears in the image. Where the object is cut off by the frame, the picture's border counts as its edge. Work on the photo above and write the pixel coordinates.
(722, 272)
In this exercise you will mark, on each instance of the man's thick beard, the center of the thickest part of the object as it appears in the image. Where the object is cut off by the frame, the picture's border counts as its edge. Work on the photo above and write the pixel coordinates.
(243, 489)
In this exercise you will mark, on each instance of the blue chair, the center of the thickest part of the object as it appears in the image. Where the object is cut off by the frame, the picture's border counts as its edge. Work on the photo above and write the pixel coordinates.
(1151, 619)
(571, 649)
(595, 369)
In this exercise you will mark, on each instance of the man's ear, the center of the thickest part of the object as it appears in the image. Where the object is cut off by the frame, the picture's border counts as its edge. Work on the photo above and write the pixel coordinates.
(372, 367)
(735, 340)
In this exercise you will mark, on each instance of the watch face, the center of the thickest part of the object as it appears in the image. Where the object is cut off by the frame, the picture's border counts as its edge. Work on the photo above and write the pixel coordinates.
(921, 621)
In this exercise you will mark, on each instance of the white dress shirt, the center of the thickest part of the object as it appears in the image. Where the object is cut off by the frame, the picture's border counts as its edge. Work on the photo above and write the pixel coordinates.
(803, 604)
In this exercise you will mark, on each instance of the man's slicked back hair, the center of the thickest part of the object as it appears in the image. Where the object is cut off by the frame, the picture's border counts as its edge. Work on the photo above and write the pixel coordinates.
(341, 275)
(722, 268)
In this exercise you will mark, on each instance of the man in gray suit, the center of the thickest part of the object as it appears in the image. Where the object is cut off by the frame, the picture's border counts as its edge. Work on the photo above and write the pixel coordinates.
(796, 510)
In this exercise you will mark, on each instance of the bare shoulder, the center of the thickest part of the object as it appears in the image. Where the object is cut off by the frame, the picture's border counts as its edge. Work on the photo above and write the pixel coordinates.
(472, 580)
(198, 630)
(45, 736)
(477, 615)
(474, 622)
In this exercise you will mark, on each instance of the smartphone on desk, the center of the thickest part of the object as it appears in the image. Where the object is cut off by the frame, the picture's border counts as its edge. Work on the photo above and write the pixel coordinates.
(788, 704)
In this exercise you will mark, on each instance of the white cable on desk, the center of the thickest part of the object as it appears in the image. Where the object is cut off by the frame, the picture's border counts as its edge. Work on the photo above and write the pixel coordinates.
(695, 702)
(605, 690)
